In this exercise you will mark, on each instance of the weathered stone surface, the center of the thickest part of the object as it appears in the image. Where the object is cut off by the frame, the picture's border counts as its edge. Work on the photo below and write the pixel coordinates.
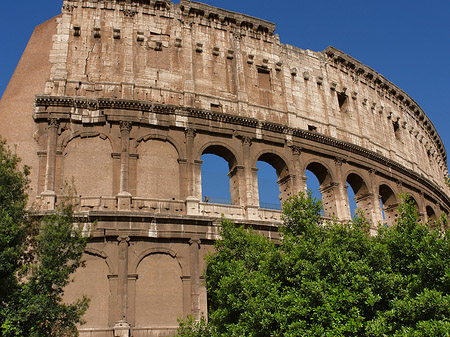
(125, 97)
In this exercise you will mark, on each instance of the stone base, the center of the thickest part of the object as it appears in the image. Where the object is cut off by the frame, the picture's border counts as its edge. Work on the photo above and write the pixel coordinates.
(48, 200)
(124, 201)
(122, 329)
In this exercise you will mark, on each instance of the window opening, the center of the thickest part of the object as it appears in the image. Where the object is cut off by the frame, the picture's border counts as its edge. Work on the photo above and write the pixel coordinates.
(268, 187)
(343, 101)
(215, 180)
(264, 78)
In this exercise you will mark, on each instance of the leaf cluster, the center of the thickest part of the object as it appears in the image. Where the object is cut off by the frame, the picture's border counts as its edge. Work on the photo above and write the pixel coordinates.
(330, 279)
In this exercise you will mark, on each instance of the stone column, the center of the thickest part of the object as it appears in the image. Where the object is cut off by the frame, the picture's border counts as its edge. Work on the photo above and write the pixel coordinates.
(342, 205)
(251, 202)
(195, 278)
(377, 212)
(122, 328)
(49, 189)
(192, 198)
(299, 184)
(124, 197)
(190, 135)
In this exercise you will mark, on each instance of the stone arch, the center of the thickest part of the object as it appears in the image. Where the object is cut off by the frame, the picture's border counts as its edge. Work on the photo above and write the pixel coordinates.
(156, 250)
(92, 171)
(103, 255)
(362, 196)
(220, 150)
(164, 138)
(157, 169)
(321, 170)
(279, 163)
(389, 203)
(92, 281)
(431, 214)
(68, 136)
(159, 290)
(327, 185)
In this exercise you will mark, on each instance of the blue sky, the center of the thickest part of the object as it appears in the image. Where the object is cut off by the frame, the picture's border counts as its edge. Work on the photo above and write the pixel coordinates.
(408, 42)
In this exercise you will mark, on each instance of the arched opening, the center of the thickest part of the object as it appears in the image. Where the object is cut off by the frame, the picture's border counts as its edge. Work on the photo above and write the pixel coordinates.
(388, 204)
(313, 185)
(268, 189)
(320, 182)
(272, 171)
(358, 195)
(219, 176)
(431, 215)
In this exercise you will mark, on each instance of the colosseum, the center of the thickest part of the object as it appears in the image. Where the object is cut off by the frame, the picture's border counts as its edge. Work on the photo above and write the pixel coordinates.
(123, 97)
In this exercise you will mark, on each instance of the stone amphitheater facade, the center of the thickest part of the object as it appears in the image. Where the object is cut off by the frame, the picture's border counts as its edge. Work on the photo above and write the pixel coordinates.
(124, 97)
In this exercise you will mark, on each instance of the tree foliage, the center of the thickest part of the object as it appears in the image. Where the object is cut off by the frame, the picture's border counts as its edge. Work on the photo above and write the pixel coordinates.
(330, 279)
(37, 257)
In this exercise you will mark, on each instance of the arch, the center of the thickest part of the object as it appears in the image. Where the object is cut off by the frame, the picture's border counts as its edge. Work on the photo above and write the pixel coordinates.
(156, 250)
(284, 179)
(277, 160)
(92, 281)
(92, 171)
(361, 191)
(431, 214)
(159, 291)
(158, 170)
(220, 149)
(326, 189)
(164, 138)
(68, 136)
(389, 203)
(103, 255)
(232, 176)
(320, 170)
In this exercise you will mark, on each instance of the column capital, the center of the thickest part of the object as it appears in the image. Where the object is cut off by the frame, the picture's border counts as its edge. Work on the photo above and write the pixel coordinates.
(195, 241)
(339, 161)
(53, 122)
(190, 132)
(246, 140)
(125, 125)
(123, 238)
(296, 150)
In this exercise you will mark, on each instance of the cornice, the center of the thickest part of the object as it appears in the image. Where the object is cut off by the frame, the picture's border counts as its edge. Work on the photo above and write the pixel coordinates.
(214, 14)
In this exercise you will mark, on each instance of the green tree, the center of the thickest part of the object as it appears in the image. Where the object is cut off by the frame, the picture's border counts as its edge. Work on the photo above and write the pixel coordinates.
(37, 257)
(330, 279)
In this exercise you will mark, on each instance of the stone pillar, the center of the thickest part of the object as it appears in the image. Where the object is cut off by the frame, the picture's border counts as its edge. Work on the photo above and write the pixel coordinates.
(246, 144)
(342, 205)
(195, 278)
(49, 189)
(190, 135)
(377, 212)
(124, 197)
(298, 185)
(250, 201)
(122, 328)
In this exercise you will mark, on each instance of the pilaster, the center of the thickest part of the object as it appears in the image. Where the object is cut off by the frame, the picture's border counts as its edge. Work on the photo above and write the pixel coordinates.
(124, 196)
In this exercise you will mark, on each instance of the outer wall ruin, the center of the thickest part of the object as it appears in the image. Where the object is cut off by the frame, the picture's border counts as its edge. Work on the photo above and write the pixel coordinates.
(124, 97)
